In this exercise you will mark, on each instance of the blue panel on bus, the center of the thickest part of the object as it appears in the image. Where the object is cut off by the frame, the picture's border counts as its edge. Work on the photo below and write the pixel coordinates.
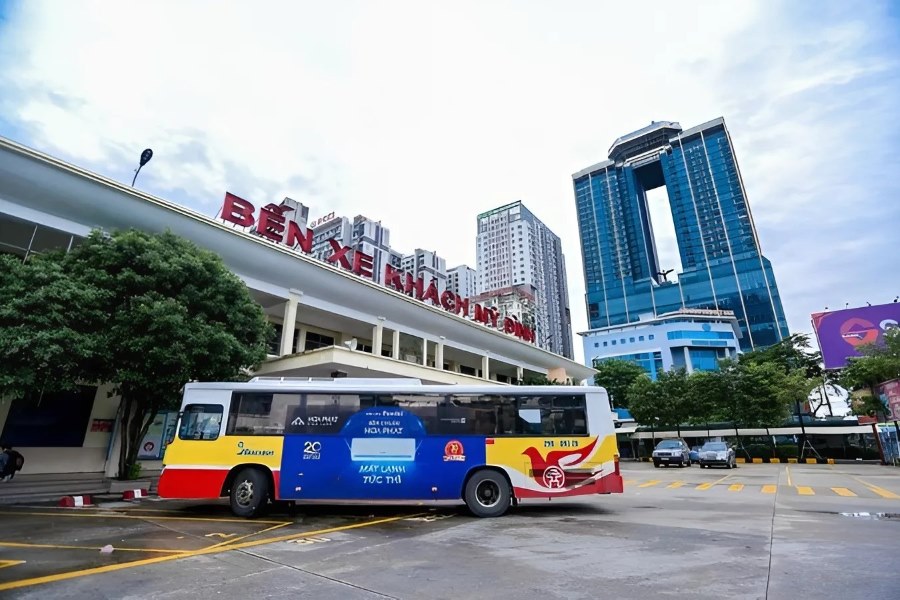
(381, 453)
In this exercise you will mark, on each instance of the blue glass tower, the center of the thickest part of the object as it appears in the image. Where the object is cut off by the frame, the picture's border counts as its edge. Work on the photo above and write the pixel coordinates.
(722, 264)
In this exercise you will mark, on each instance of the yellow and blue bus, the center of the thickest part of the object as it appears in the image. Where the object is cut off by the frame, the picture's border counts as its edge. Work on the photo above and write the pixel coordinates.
(364, 440)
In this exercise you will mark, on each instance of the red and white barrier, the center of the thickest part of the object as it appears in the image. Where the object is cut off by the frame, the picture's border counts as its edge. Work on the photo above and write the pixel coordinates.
(134, 494)
(75, 501)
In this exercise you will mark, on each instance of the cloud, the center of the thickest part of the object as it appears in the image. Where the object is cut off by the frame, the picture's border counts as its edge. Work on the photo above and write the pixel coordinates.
(422, 115)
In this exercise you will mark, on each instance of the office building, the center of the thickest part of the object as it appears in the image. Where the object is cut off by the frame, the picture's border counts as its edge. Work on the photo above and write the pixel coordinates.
(722, 265)
(514, 249)
(690, 339)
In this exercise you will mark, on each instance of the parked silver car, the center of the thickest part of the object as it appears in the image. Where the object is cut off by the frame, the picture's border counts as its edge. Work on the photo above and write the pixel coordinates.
(672, 452)
(717, 453)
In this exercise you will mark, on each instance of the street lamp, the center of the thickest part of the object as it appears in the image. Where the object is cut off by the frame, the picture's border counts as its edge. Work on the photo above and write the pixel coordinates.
(146, 155)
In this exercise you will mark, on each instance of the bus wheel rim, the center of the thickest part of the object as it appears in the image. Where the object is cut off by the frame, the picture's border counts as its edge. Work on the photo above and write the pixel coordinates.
(244, 493)
(487, 493)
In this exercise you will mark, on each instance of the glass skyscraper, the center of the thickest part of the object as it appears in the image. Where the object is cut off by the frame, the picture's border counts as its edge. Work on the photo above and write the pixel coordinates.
(722, 264)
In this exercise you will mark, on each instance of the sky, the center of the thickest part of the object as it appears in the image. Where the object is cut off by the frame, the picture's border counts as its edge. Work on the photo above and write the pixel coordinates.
(424, 114)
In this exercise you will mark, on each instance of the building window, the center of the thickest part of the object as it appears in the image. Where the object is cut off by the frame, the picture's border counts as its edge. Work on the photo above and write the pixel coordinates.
(49, 419)
(604, 344)
(317, 340)
(631, 340)
(650, 337)
(640, 338)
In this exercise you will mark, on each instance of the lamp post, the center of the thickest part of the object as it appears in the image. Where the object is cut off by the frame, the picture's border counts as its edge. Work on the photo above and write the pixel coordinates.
(146, 155)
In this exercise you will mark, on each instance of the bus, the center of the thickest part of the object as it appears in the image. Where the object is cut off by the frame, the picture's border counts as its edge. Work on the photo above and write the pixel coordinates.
(389, 440)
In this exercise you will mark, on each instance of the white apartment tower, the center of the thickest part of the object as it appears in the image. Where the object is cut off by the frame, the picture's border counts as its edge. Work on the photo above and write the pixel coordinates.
(427, 265)
(361, 234)
(462, 280)
(520, 263)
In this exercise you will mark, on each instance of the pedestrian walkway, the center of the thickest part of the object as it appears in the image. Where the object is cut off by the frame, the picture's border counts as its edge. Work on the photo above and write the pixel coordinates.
(50, 487)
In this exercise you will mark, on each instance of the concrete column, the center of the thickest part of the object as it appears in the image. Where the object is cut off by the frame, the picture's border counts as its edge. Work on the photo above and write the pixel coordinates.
(395, 348)
(378, 336)
(289, 323)
(687, 360)
(425, 352)
(301, 340)
(520, 373)
(485, 367)
(439, 355)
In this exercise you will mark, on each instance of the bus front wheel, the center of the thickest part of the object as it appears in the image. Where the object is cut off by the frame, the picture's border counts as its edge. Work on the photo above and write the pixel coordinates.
(487, 494)
(249, 493)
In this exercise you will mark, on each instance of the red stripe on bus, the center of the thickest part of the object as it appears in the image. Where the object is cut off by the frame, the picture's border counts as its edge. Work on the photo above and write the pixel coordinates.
(191, 483)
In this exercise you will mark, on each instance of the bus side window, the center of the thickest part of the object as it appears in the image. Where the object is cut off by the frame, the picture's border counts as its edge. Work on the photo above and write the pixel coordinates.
(201, 422)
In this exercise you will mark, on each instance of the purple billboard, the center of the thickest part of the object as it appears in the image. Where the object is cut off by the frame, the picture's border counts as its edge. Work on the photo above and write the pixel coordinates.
(842, 332)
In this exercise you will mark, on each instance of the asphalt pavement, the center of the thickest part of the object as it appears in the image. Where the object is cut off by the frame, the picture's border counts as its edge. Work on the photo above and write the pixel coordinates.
(760, 531)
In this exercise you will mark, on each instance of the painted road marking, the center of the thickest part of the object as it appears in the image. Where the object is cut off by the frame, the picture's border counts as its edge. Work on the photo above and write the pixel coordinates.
(769, 489)
(805, 490)
(243, 537)
(630, 481)
(788, 471)
(93, 548)
(706, 486)
(735, 487)
(842, 492)
(650, 483)
(11, 585)
(676, 484)
(879, 490)
(142, 517)
(221, 535)
(10, 563)
(310, 540)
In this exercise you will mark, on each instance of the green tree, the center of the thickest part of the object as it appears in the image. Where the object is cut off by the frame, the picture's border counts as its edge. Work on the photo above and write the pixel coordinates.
(42, 347)
(169, 313)
(791, 354)
(645, 401)
(709, 393)
(616, 376)
(878, 363)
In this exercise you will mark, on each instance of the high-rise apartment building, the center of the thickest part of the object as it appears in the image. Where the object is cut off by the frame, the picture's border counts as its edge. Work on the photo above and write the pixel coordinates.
(723, 267)
(428, 265)
(517, 254)
(361, 234)
(462, 280)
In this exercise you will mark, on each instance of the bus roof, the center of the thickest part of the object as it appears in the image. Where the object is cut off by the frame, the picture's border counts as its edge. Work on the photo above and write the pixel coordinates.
(385, 384)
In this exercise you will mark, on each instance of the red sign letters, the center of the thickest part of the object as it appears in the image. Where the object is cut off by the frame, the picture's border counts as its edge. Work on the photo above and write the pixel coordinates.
(274, 223)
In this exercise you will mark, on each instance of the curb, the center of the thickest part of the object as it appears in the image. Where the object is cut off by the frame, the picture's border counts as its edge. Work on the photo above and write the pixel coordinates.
(75, 501)
(134, 494)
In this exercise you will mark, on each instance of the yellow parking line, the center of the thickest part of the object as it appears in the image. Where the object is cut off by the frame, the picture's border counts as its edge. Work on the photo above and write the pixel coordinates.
(13, 513)
(675, 484)
(842, 491)
(706, 486)
(788, 471)
(650, 483)
(11, 585)
(243, 537)
(805, 491)
(630, 481)
(769, 489)
(879, 490)
(735, 487)
(94, 548)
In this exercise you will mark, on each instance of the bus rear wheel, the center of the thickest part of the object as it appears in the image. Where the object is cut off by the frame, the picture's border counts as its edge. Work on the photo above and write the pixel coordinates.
(249, 493)
(488, 494)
